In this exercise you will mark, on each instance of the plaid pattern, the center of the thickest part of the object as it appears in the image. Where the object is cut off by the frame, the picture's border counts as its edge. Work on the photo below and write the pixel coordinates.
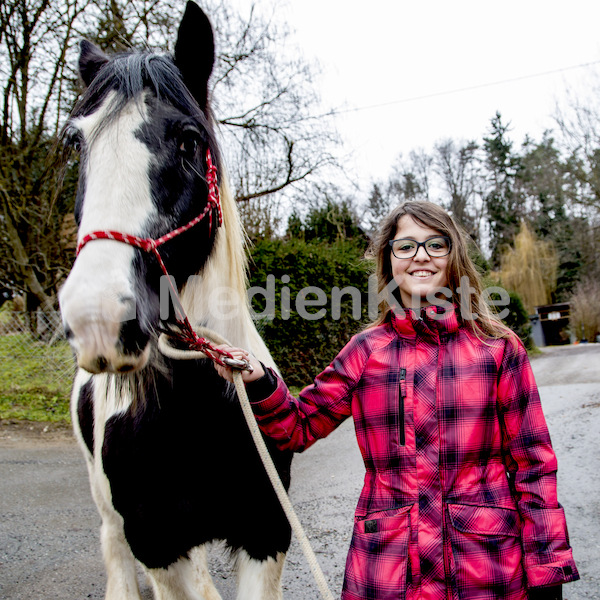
(459, 500)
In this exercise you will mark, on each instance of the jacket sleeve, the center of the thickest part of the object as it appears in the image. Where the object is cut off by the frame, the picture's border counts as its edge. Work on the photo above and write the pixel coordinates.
(532, 467)
(297, 423)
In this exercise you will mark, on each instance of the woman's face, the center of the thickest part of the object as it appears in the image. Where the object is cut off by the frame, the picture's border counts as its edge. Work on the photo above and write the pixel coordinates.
(421, 275)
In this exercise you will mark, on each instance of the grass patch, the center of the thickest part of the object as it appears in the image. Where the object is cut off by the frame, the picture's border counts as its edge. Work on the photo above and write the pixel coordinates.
(35, 379)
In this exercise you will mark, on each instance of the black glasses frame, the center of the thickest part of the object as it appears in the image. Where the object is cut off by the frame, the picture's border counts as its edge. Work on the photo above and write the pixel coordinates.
(419, 244)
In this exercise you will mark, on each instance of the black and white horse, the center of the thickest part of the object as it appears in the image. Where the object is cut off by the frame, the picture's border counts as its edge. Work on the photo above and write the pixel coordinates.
(171, 462)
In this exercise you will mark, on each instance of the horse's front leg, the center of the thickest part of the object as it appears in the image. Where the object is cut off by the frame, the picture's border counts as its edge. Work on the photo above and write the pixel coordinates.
(119, 561)
(120, 564)
(187, 579)
(259, 579)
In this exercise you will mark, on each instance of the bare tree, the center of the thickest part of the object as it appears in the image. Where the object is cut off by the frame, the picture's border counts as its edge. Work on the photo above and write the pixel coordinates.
(409, 180)
(35, 38)
(263, 101)
(579, 124)
(459, 169)
(116, 25)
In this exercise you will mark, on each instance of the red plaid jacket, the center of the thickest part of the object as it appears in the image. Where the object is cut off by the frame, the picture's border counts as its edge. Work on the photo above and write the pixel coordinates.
(459, 500)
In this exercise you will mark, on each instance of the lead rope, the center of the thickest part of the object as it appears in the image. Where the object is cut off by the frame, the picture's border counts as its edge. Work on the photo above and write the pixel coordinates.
(259, 442)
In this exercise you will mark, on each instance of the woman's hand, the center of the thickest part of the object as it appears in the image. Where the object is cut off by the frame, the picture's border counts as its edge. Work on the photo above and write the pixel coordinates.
(240, 354)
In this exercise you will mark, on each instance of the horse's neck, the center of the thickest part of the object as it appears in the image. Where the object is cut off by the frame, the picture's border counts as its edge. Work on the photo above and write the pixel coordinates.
(217, 299)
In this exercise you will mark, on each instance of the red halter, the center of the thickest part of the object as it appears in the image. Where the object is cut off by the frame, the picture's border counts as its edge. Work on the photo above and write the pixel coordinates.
(150, 244)
(187, 335)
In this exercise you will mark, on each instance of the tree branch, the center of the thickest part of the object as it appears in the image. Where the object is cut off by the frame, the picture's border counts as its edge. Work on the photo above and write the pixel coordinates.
(21, 257)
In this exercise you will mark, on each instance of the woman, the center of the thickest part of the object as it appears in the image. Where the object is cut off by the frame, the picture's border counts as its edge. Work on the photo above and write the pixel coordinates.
(459, 500)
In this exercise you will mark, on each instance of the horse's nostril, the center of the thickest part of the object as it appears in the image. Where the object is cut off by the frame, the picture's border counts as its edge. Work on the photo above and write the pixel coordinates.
(129, 304)
(126, 368)
(101, 364)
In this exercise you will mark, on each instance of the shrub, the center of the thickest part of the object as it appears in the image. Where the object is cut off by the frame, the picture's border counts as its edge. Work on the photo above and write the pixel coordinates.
(585, 310)
(302, 341)
(518, 320)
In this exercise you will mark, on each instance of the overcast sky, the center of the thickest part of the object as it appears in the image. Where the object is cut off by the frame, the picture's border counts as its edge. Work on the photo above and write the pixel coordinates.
(408, 74)
(411, 59)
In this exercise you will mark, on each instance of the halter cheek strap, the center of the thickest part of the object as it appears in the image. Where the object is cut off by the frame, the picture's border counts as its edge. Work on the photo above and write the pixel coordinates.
(213, 188)
(188, 336)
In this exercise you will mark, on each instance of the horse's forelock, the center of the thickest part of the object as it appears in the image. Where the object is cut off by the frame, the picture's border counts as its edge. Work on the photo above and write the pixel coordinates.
(129, 75)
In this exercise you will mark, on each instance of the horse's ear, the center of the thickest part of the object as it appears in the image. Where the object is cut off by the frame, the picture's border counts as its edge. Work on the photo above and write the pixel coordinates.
(91, 60)
(195, 52)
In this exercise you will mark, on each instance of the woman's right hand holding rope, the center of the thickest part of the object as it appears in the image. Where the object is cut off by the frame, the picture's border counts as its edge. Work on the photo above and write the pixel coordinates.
(240, 354)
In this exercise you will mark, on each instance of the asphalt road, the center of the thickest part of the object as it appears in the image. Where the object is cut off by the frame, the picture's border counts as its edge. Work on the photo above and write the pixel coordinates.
(49, 527)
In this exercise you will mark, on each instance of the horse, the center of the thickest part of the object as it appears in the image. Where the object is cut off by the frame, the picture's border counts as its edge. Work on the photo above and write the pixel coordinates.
(171, 463)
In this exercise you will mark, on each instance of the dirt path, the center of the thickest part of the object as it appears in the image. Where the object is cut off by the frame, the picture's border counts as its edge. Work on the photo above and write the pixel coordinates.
(49, 547)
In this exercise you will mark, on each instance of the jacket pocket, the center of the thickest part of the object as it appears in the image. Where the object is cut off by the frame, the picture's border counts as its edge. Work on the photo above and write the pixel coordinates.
(377, 561)
(486, 552)
(402, 408)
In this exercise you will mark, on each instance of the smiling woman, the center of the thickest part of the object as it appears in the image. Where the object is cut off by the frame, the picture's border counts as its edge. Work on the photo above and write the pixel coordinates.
(439, 273)
(447, 418)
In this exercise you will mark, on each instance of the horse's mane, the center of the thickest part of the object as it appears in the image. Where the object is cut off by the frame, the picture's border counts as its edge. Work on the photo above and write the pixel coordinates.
(226, 269)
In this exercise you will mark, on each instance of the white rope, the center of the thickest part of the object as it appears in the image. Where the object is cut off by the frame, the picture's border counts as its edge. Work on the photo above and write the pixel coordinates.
(263, 452)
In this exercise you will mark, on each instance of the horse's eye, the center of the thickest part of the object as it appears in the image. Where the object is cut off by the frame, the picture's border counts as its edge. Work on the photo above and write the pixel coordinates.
(188, 143)
(73, 139)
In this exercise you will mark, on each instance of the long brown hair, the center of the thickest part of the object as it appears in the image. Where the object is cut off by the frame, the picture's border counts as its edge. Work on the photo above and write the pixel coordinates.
(459, 266)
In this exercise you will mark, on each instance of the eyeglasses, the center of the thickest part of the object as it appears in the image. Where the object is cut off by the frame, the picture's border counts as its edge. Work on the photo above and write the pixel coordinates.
(436, 247)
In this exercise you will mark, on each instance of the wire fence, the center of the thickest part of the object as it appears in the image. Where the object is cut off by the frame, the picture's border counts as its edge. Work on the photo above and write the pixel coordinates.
(34, 343)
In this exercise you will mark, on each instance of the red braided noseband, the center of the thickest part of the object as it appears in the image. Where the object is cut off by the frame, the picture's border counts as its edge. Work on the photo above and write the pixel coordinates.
(187, 335)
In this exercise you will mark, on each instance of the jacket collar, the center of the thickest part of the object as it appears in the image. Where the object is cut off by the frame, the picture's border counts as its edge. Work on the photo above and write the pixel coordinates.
(433, 319)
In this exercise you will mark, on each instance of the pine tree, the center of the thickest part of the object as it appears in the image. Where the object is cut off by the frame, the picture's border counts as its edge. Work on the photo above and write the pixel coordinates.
(544, 183)
(378, 206)
(503, 205)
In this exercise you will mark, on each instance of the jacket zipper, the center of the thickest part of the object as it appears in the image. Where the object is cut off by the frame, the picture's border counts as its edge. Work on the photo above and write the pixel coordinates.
(401, 408)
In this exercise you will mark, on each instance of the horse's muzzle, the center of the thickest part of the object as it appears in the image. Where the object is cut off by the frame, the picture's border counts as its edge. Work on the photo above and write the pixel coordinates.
(104, 330)
(98, 350)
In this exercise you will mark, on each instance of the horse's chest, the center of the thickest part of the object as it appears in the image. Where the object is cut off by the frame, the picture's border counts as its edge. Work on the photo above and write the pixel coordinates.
(164, 453)
(183, 470)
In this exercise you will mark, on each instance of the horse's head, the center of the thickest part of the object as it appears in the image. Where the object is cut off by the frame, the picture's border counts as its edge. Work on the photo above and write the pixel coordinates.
(143, 129)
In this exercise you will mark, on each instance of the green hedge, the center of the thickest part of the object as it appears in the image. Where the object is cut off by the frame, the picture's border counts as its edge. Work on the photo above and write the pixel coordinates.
(306, 338)
(518, 320)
